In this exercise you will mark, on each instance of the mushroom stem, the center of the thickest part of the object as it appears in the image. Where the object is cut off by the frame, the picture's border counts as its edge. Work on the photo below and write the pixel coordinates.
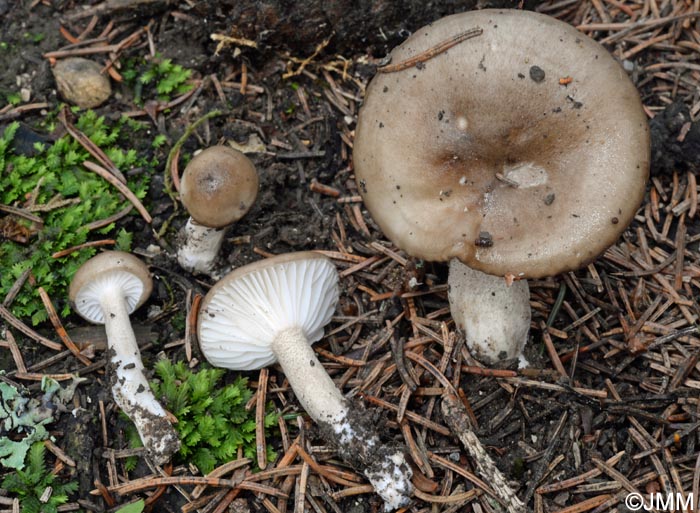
(312, 385)
(130, 387)
(358, 443)
(495, 316)
(202, 243)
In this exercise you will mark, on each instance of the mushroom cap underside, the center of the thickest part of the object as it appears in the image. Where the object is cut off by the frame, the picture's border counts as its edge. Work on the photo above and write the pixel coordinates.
(241, 315)
(219, 186)
(105, 270)
(523, 150)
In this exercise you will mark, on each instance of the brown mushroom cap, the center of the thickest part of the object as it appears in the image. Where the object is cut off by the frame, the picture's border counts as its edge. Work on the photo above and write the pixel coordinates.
(219, 186)
(483, 154)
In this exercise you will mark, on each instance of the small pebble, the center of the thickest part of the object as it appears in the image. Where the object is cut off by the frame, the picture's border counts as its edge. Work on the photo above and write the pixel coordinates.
(561, 499)
(81, 82)
(536, 74)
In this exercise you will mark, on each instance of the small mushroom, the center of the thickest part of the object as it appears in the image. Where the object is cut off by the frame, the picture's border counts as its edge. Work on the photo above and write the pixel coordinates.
(272, 311)
(218, 187)
(106, 290)
(82, 82)
(480, 154)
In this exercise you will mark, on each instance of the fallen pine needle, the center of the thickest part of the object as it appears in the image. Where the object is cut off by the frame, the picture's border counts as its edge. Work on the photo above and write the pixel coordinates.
(153, 482)
(431, 52)
(91, 244)
(121, 187)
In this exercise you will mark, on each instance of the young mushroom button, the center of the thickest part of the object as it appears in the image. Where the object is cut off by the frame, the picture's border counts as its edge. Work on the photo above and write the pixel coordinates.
(272, 311)
(218, 187)
(482, 154)
(106, 290)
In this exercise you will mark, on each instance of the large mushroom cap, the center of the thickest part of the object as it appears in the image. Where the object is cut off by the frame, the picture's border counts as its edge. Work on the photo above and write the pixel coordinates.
(523, 150)
(241, 314)
(109, 269)
(219, 186)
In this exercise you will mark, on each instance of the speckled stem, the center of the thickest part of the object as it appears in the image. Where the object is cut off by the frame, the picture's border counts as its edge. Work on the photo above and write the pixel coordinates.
(384, 466)
(312, 385)
(495, 316)
(130, 387)
(200, 247)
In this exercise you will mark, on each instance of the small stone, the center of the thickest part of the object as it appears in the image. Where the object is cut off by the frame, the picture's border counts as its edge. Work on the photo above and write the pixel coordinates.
(536, 74)
(153, 250)
(25, 94)
(154, 311)
(239, 506)
(561, 499)
(81, 82)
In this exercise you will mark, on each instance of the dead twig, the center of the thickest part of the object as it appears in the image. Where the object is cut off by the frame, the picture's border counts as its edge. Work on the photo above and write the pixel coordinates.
(456, 416)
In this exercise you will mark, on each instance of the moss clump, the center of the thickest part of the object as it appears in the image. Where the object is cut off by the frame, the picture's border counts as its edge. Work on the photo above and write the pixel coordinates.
(213, 422)
(51, 183)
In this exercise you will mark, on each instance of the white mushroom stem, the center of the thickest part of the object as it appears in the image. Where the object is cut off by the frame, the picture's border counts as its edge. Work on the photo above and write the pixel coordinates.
(385, 468)
(130, 387)
(311, 383)
(200, 248)
(495, 316)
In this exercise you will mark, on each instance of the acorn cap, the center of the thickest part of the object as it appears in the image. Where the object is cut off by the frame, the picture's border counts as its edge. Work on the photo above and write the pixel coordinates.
(219, 186)
(241, 315)
(522, 150)
(109, 269)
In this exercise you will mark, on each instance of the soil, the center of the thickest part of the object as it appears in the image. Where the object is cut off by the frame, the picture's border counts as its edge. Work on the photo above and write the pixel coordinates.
(670, 149)
(305, 128)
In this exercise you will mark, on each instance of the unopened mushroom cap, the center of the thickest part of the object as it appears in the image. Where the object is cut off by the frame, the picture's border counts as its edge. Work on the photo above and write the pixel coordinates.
(241, 315)
(523, 150)
(219, 186)
(109, 269)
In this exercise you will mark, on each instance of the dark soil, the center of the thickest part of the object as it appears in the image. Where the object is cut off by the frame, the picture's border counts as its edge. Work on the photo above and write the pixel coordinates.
(675, 140)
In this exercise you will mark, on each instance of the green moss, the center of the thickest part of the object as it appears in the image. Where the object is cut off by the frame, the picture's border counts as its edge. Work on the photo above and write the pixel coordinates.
(212, 420)
(67, 197)
(29, 484)
(158, 78)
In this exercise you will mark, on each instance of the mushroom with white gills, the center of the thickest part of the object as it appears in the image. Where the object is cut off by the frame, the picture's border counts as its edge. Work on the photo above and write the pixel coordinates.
(218, 188)
(272, 311)
(521, 152)
(106, 290)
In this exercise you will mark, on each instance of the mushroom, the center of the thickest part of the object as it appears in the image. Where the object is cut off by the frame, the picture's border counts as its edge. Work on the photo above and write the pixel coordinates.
(521, 152)
(272, 311)
(106, 290)
(218, 187)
